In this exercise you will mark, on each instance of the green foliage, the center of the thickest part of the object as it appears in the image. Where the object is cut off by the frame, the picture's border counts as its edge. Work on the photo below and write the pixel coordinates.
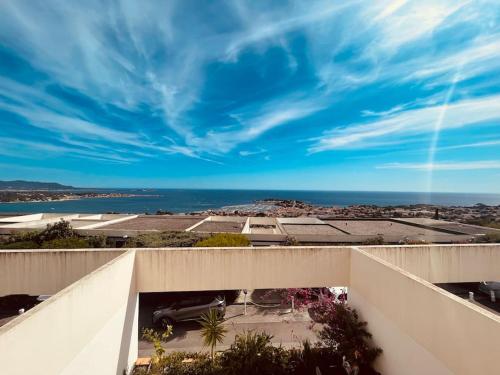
(97, 242)
(59, 235)
(156, 338)
(66, 243)
(224, 240)
(379, 240)
(212, 330)
(164, 239)
(346, 335)
(485, 222)
(489, 238)
(19, 245)
(253, 353)
(182, 363)
(56, 231)
(290, 241)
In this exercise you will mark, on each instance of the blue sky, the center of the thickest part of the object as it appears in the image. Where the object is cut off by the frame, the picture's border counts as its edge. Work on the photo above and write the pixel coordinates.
(359, 95)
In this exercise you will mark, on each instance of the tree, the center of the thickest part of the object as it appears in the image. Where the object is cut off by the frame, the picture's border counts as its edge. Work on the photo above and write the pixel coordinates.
(57, 231)
(212, 330)
(347, 335)
(156, 338)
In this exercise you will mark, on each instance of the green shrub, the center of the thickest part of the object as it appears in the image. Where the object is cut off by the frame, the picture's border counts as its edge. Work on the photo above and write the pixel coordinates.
(60, 230)
(488, 238)
(253, 353)
(164, 239)
(181, 363)
(19, 245)
(97, 241)
(224, 240)
(66, 243)
(379, 240)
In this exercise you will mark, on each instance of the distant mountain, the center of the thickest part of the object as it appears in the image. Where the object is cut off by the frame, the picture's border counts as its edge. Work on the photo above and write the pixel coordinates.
(32, 185)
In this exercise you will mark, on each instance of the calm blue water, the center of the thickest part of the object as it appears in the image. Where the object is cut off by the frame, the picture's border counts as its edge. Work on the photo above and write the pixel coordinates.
(183, 200)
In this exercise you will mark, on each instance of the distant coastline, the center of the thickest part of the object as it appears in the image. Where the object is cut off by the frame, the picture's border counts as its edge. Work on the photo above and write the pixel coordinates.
(31, 196)
(140, 201)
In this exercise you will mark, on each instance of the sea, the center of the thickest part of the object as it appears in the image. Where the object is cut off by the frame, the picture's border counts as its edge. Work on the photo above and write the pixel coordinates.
(192, 200)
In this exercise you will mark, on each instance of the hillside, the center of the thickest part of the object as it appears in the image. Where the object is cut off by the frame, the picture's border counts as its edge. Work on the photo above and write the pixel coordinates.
(32, 185)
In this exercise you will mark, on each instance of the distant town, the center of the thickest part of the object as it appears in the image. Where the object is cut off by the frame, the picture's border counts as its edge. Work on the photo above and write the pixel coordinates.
(478, 214)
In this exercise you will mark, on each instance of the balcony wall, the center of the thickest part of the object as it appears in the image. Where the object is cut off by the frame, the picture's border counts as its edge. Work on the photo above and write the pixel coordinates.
(38, 272)
(241, 268)
(422, 328)
(444, 263)
(90, 327)
(86, 329)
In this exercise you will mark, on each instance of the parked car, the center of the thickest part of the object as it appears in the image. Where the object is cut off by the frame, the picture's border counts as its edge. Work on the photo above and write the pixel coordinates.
(488, 286)
(188, 309)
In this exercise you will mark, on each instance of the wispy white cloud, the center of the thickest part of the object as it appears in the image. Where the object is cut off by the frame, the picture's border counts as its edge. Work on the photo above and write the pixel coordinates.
(254, 122)
(245, 153)
(483, 144)
(411, 122)
(147, 59)
(444, 166)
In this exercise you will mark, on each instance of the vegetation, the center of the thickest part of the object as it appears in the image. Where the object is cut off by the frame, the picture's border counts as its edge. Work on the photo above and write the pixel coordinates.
(224, 240)
(66, 243)
(156, 339)
(344, 347)
(348, 336)
(290, 241)
(379, 240)
(488, 238)
(252, 353)
(164, 239)
(59, 235)
(212, 330)
(489, 221)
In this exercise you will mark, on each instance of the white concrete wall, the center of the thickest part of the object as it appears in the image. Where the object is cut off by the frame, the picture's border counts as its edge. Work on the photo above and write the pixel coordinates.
(241, 268)
(422, 328)
(38, 272)
(88, 328)
(444, 263)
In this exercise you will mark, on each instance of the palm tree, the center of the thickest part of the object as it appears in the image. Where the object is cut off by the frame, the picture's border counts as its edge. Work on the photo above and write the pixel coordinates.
(212, 330)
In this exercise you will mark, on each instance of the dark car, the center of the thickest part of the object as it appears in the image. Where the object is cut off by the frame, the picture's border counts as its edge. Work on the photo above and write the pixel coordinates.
(191, 308)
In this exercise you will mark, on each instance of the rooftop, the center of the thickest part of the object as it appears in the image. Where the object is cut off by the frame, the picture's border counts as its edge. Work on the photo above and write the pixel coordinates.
(261, 230)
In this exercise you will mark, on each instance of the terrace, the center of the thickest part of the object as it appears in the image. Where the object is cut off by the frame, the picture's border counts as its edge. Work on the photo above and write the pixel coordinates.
(90, 324)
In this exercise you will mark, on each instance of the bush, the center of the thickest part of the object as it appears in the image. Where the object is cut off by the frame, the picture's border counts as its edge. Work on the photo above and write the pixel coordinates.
(488, 238)
(66, 243)
(19, 245)
(346, 335)
(56, 231)
(252, 353)
(164, 239)
(97, 241)
(379, 240)
(290, 241)
(59, 235)
(224, 240)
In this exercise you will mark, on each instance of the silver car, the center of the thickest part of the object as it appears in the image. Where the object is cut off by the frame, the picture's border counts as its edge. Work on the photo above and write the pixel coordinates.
(188, 309)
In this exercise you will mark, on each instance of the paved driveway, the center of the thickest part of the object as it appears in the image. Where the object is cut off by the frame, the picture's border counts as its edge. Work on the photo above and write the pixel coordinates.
(288, 329)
